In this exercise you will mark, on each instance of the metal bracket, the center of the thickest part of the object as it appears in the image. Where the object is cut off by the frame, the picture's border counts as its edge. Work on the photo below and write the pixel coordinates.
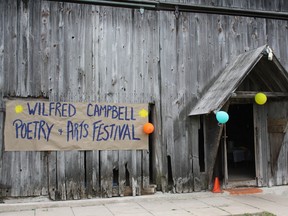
(177, 13)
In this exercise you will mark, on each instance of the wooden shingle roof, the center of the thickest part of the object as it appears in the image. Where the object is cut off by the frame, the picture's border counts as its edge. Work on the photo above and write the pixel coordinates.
(254, 64)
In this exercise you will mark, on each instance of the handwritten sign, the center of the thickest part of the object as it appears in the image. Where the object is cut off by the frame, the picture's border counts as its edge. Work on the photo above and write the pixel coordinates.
(49, 126)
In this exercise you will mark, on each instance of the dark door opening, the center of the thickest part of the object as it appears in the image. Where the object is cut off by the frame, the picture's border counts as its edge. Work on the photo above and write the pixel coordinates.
(240, 143)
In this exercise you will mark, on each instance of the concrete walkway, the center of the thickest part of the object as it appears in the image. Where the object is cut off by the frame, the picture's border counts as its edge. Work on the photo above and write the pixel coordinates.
(273, 200)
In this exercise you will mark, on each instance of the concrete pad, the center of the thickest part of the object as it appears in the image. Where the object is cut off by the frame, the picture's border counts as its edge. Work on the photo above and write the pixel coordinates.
(91, 211)
(217, 201)
(281, 200)
(191, 203)
(230, 207)
(18, 213)
(158, 205)
(263, 204)
(202, 203)
(239, 208)
(64, 211)
(164, 207)
(138, 214)
(257, 202)
(174, 212)
(208, 211)
(125, 208)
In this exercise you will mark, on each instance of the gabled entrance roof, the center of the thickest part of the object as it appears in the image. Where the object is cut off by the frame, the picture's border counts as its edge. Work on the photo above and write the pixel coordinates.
(252, 71)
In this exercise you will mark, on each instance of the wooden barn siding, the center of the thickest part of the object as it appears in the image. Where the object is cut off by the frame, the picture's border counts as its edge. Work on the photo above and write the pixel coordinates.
(279, 171)
(194, 48)
(22, 173)
(71, 52)
(115, 35)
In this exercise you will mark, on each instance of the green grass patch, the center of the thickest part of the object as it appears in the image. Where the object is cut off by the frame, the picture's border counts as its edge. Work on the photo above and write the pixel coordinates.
(257, 214)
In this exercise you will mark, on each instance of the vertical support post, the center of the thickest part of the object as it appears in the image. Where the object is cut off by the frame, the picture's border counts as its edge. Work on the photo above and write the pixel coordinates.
(225, 158)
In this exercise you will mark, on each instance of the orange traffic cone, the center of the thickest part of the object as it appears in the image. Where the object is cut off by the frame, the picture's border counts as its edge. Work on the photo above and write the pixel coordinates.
(216, 188)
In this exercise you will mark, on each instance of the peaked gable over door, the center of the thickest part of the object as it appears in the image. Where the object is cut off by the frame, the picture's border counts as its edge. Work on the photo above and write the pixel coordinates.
(259, 66)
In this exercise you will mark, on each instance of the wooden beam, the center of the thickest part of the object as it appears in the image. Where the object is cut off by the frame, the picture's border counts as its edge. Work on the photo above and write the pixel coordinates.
(251, 94)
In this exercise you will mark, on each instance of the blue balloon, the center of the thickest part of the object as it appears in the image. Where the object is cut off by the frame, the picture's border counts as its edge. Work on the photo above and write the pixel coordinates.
(222, 117)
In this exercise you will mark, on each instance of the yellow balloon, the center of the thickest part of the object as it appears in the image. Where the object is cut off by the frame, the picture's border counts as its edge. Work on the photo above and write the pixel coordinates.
(260, 98)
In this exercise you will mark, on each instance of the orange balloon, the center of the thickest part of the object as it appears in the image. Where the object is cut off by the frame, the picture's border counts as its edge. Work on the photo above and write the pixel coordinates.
(148, 128)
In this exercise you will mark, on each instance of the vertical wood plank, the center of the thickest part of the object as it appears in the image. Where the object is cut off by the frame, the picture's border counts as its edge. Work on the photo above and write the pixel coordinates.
(197, 184)
(106, 174)
(145, 169)
(261, 141)
(2, 109)
(168, 69)
(45, 49)
(2, 180)
(125, 187)
(38, 16)
(61, 178)
(52, 175)
(10, 61)
(2, 51)
(75, 175)
(55, 175)
(92, 174)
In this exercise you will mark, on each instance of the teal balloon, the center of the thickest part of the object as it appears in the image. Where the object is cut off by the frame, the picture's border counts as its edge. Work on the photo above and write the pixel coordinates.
(222, 117)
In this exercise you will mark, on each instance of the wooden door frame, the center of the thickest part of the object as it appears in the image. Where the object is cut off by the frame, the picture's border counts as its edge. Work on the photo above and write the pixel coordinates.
(261, 146)
(256, 148)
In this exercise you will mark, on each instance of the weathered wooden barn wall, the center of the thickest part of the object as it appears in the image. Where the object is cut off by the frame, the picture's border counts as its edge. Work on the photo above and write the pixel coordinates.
(278, 174)
(203, 45)
(73, 52)
(80, 52)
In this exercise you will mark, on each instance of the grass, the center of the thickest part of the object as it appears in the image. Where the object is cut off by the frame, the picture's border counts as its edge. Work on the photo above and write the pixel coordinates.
(257, 214)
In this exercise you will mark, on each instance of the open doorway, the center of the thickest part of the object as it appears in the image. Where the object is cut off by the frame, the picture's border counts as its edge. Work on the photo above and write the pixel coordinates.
(240, 143)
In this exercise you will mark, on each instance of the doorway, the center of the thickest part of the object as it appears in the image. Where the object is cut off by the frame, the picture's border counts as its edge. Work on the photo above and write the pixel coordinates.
(240, 146)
